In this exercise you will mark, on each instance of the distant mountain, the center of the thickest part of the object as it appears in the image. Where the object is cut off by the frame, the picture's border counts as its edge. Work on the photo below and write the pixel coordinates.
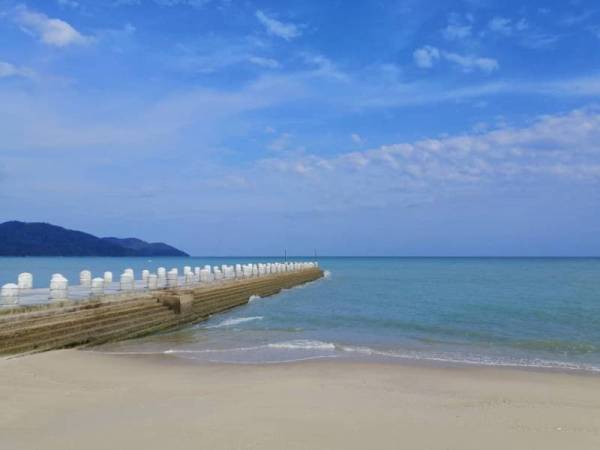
(44, 239)
(144, 248)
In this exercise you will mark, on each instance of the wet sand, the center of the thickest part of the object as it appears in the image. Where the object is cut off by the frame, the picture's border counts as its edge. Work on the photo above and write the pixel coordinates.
(84, 400)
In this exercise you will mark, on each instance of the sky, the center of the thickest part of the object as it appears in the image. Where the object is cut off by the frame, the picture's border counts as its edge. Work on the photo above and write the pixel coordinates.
(223, 127)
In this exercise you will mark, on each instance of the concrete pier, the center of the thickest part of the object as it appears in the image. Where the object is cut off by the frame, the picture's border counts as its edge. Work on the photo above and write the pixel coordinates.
(103, 318)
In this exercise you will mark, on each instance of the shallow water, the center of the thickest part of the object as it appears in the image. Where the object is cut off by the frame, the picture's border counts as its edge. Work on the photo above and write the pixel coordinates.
(485, 311)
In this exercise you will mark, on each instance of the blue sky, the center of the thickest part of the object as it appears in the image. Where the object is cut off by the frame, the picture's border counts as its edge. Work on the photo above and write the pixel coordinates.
(244, 127)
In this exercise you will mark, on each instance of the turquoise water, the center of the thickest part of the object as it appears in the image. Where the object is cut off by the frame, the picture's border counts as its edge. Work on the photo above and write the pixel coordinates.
(516, 312)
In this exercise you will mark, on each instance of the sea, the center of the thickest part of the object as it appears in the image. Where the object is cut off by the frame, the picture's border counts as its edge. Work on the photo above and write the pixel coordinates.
(539, 313)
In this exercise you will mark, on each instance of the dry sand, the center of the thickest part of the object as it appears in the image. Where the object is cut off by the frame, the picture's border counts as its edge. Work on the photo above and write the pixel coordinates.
(82, 400)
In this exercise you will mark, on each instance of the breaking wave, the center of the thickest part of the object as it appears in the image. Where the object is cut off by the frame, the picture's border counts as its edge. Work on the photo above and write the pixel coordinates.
(304, 349)
(236, 321)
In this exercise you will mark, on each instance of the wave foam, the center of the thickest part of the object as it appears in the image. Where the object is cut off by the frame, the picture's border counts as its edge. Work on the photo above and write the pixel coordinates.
(303, 344)
(300, 349)
(473, 360)
(332, 350)
(237, 321)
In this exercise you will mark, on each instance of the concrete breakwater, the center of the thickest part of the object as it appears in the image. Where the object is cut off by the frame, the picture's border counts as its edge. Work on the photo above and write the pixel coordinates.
(125, 315)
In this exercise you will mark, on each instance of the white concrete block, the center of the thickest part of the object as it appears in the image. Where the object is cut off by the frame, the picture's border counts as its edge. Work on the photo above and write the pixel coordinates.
(10, 293)
(85, 278)
(152, 281)
(98, 286)
(25, 281)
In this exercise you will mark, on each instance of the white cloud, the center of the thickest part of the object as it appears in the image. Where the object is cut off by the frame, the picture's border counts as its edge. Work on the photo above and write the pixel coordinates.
(129, 29)
(195, 3)
(287, 31)
(539, 40)
(167, 3)
(8, 70)
(457, 29)
(324, 66)
(44, 120)
(521, 25)
(281, 143)
(526, 35)
(126, 2)
(594, 30)
(100, 127)
(50, 31)
(264, 62)
(210, 54)
(69, 3)
(426, 57)
(455, 32)
(500, 25)
(505, 26)
(470, 63)
(577, 19)
(356, 138)
(559, 146)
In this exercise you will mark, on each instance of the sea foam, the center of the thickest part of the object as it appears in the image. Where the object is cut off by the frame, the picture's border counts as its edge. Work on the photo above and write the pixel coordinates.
(302, 344)
(235, 321)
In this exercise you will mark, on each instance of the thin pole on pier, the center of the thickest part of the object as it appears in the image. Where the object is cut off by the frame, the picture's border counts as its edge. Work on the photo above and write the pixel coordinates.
(285, 254)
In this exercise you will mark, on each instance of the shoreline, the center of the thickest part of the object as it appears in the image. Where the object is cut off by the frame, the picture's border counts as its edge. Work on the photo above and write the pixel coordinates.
(415, 363)
(87, 399)
(370, 357)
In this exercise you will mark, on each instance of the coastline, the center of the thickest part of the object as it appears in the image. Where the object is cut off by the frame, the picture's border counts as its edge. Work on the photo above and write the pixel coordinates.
(79, 399)
(309, 350)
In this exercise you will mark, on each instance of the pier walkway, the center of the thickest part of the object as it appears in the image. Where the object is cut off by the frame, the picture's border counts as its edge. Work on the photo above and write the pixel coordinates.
(125, 314)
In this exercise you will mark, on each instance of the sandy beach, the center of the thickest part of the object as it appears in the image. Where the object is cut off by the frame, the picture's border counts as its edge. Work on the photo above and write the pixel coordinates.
(83, 400)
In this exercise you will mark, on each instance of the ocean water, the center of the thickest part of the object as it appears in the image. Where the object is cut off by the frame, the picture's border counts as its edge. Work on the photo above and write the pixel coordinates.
(522, 312)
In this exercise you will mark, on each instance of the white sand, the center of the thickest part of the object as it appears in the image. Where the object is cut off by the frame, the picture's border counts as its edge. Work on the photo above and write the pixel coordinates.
(81, 400)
